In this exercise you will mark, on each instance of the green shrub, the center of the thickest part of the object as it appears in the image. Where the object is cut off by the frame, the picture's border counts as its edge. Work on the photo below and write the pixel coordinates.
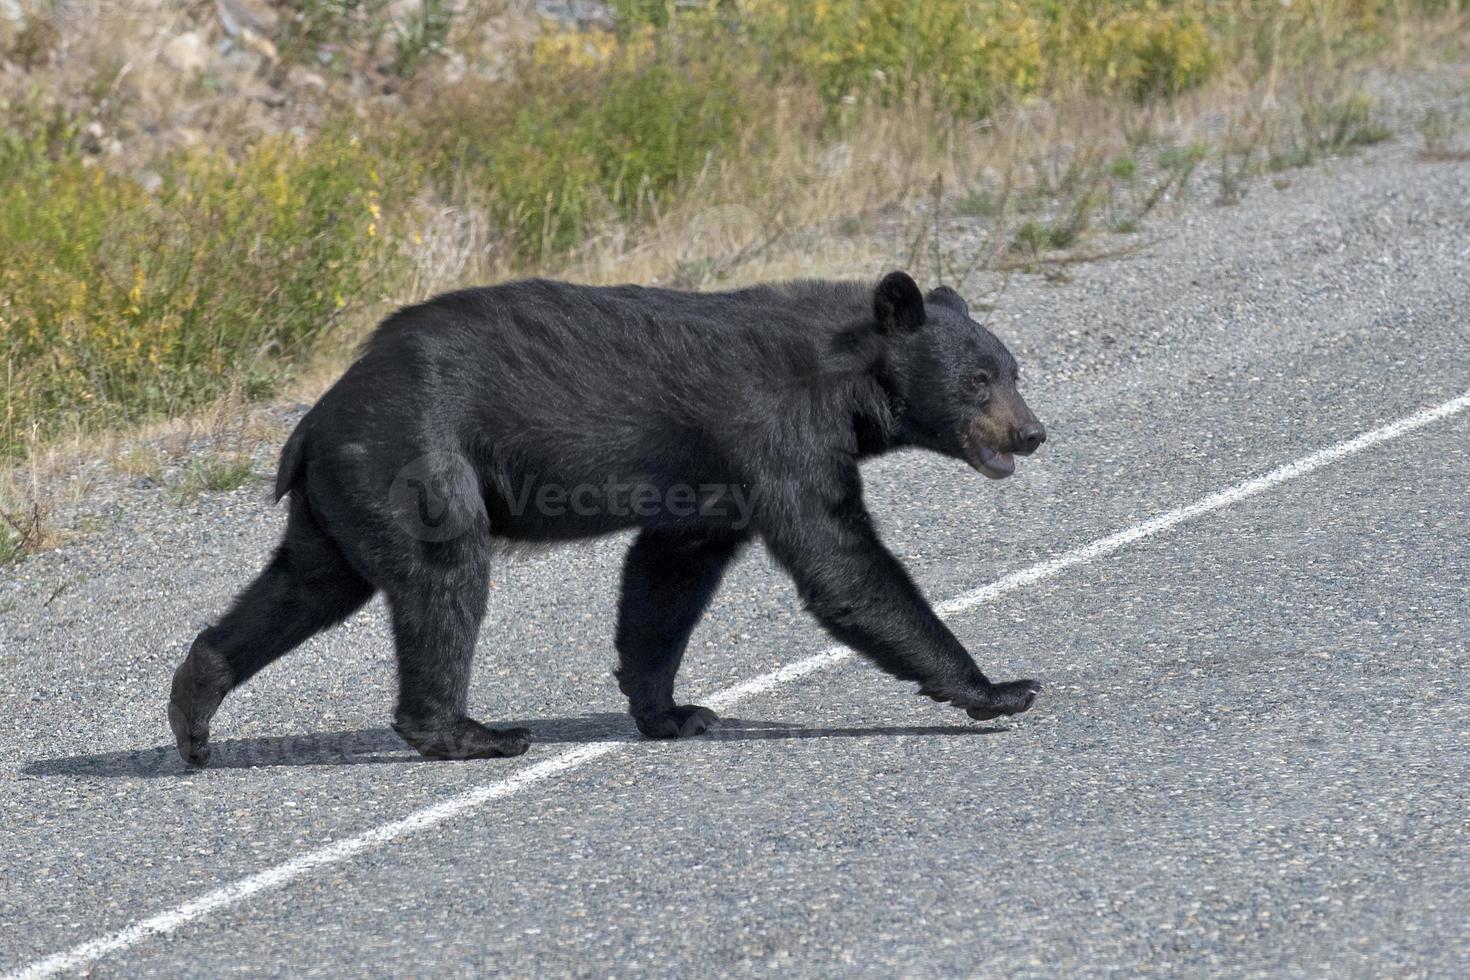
(969, 55)
(584, 135)
(10, 544)
(117, 304)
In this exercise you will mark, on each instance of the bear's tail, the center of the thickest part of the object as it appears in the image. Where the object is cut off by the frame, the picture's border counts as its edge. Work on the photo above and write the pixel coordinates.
(293, 460)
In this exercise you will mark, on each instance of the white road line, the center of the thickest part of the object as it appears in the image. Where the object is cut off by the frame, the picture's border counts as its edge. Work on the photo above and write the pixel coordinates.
(338, 851)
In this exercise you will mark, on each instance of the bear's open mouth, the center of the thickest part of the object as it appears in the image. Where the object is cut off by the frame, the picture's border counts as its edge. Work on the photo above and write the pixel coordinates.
(994, 464)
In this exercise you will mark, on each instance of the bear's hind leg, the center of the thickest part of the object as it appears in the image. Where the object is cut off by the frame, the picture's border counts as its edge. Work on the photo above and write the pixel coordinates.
(668, 581)
(307, 587)
(436, 618)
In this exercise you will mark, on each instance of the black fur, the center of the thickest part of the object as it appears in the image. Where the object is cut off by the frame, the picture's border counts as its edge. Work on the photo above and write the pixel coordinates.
(541, 411)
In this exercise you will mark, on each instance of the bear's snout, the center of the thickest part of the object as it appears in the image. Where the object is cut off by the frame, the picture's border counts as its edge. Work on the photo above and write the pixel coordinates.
(1029, 438)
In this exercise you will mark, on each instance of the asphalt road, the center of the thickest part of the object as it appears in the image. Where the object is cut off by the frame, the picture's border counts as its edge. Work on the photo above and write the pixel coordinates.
(1252, 756)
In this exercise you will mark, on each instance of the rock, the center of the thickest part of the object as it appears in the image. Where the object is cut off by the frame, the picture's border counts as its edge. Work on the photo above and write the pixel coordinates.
(455, 67)
(400, 11)
(188, 136)
(260, 44)
(187, 53)
(267, 94)
(299, 77)
(92, 134)
(255, 16)
(578, 15)
(242, 61)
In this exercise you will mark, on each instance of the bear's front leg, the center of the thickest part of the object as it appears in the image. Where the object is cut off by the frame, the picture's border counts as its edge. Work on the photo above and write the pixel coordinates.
(668, 580)
(865, 598)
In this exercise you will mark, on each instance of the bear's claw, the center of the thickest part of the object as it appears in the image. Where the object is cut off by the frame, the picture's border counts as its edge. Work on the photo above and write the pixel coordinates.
(680, 721)
(987, 701)
(1010, 698)
(192, 739)
(462, 738)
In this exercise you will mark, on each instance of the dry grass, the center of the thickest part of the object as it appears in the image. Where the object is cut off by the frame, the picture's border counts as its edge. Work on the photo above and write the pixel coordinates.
(1445, 134)
(212, 450)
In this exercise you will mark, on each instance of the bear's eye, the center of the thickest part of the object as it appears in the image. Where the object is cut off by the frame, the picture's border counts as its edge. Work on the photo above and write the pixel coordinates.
(982, 379)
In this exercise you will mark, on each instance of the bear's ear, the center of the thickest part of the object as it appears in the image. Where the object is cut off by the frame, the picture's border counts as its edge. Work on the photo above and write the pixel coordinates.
(945, 296)
(898, 304)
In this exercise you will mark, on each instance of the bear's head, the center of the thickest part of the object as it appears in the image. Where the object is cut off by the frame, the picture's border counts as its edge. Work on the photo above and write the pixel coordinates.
(956, 380)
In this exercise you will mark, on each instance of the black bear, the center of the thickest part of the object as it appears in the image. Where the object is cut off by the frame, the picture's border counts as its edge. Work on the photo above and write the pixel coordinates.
(541, 411)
